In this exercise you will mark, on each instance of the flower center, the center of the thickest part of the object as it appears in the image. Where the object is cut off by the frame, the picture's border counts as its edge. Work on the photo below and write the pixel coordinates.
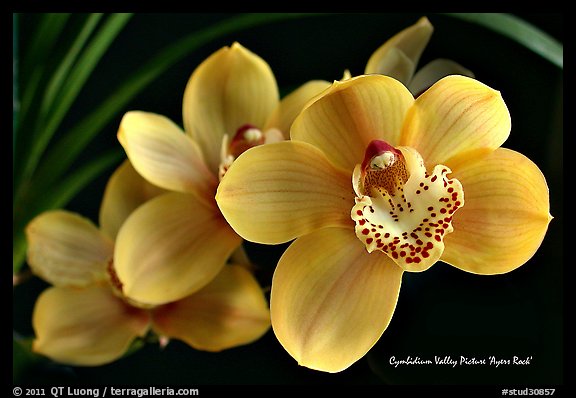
(401, 209)
(246, 137)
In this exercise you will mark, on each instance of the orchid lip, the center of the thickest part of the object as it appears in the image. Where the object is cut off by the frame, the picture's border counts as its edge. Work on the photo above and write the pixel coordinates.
(246, 137)
(401, 209)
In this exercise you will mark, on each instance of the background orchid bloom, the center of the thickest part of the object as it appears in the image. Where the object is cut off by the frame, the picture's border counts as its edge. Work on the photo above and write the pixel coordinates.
(84, 319)
(178, 242)
(374, 183)
(398, 57)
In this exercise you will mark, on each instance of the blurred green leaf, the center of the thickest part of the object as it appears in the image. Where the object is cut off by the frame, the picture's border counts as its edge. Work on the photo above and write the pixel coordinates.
(22, 357)
(50, 26)
(15, 94)
(37, 58)
(61, 74)
(18, 249)
(74, 82)
(521, 31)
(34, 57)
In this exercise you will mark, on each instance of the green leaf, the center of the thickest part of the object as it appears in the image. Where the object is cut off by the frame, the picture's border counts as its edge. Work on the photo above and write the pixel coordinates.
(74, 82)
(22, 357)
(34, 59)
(51, 85)
(62, 73)
(15, 94)
(32, 67)
(18, 250)
(521, 31)
(43, 41)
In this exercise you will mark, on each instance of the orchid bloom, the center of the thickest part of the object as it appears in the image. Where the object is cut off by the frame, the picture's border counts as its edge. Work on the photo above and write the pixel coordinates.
(84, 319)
(398, 57)
(373, 183)
(177, 243)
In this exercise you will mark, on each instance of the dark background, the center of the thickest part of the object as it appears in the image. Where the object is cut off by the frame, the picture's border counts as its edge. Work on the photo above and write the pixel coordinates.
(443, 311)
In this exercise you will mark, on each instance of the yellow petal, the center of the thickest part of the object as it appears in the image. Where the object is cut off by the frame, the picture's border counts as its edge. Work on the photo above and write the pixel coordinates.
(292, 104)
(276, 192)
(456, 119)
(331, 300)
(170, 247)
(66, 249)
(125, 191)
(350, 114)
(396, 64)
(434, 71)
(230, 311)
(505, 217)
(164, 155)
(399, 55)
(87, 326)
(231, 88)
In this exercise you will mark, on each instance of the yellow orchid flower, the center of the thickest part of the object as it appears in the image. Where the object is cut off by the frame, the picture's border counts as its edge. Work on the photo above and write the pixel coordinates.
(373, 183)
(84, 319)
(177, 243)
(398, 57)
